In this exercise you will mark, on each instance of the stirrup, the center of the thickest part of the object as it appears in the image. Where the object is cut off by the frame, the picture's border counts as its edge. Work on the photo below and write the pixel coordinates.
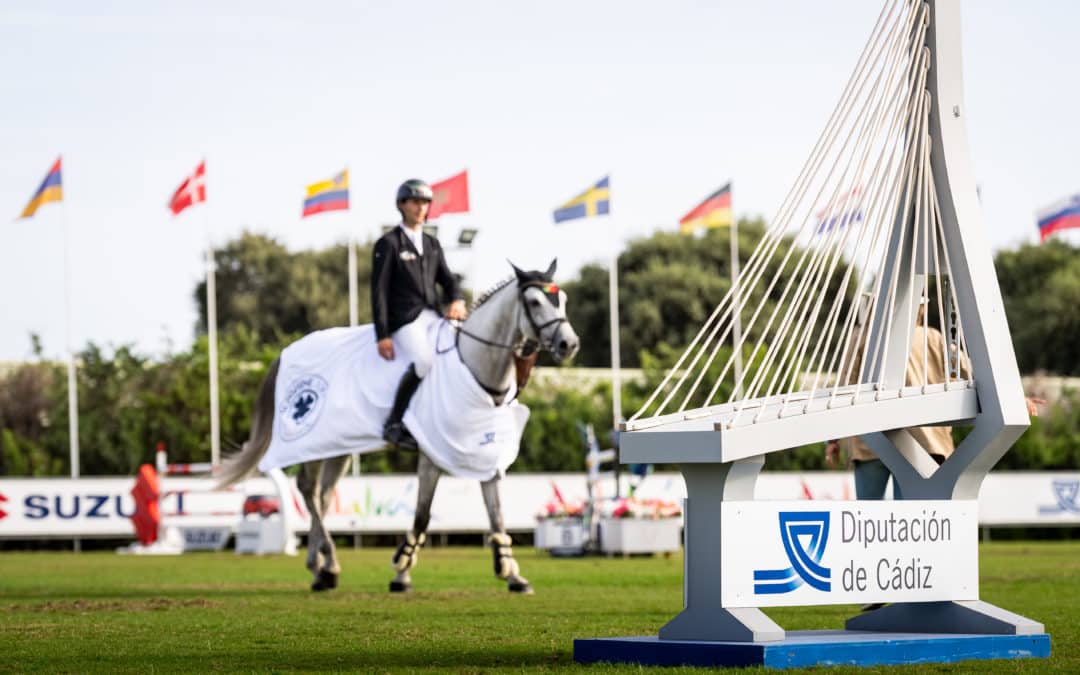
(396, 433)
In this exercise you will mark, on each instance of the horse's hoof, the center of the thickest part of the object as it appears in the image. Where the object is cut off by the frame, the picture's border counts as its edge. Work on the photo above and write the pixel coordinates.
(399, 587)
(325, 581)
(518, 587)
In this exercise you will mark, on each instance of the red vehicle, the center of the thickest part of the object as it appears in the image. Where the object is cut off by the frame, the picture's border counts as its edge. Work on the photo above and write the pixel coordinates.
(264, 505)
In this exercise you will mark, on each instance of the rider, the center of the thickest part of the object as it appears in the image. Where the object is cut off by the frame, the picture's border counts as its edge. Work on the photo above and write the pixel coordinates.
(406, 264)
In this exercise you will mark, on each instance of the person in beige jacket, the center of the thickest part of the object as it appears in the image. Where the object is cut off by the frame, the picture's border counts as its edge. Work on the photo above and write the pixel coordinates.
(871, 474)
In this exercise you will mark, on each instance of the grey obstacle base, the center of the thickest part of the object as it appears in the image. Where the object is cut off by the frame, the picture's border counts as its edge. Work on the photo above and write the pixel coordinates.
(720, 464)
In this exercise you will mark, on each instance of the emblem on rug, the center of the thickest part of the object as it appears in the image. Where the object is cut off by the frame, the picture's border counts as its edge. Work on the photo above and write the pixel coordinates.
(299, 410)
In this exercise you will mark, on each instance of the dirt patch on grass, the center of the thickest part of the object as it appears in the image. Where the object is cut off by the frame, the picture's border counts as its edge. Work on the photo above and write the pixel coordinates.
(134, 605)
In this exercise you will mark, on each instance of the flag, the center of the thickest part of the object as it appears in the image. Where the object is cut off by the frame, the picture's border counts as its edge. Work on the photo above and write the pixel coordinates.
(450, 195)
(328, 195)
(593, 202)
(51, 190)
(1063, 215)
(192, 191)
(842, 211)
(714, 211)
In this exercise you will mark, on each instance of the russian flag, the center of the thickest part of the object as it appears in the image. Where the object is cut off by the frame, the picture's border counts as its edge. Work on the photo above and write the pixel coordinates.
(1063, 215)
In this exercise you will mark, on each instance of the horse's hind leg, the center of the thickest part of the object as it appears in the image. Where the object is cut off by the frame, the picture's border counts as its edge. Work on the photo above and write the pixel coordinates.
(329, 571)
(407, 552)
(501, 546)
(307, 481)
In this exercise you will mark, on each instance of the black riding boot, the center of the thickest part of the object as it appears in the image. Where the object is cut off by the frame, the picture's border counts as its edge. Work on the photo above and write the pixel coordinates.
(394, 430)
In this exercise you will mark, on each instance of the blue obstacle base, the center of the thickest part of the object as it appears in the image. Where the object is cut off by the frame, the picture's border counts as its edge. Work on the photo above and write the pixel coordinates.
(814, 648)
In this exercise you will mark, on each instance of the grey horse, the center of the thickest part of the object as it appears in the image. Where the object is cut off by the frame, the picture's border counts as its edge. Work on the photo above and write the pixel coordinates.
(507, 327)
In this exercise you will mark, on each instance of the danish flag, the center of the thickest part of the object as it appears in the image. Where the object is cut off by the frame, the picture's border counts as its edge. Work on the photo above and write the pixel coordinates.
(191, 191)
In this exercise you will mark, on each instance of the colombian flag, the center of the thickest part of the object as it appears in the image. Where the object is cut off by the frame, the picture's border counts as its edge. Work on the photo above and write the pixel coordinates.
(328, 195)
(51, 190)
(715, 211)
(595, 201)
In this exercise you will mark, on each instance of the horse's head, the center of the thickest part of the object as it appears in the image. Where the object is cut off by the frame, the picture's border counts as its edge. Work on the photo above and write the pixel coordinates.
(543, 317)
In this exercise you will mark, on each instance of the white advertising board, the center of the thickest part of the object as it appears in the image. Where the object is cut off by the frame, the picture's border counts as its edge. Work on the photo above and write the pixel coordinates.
(780, 554)
(101, 507)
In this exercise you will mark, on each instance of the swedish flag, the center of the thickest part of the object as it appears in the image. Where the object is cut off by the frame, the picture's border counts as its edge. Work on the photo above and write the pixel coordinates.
(593, 202)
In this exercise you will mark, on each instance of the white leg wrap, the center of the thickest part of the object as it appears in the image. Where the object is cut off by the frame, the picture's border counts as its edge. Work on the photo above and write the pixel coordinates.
(406, 554)
(505, 565)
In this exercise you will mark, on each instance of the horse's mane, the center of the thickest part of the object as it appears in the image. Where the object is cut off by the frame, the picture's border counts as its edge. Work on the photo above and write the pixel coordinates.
(486, 295)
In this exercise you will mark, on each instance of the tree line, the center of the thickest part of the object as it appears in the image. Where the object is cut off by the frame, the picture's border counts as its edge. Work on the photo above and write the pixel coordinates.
(269, 296)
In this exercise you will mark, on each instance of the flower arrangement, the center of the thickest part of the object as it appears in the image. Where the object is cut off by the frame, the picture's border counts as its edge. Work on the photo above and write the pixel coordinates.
(645, 509)
(558, 507)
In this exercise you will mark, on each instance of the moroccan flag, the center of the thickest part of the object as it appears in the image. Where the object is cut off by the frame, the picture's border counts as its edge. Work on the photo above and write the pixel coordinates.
(715, 211)
(1063, 215)
(192, 191)
(327, 195)
(51, 190)
(450, 195)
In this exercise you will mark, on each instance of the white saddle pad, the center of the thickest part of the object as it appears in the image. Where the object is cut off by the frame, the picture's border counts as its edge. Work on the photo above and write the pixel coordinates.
(334, 392)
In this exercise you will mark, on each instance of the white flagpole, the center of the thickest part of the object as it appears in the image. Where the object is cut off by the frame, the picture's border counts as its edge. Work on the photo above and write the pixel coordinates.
(73, 387)
(354, 301)
(211, 329)
(616, 361)
(736, 324)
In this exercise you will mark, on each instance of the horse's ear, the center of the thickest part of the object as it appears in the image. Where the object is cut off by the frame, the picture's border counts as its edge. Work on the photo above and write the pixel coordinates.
(522, 277)
(550, 274)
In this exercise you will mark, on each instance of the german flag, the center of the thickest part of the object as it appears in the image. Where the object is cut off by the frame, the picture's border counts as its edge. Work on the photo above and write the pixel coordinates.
(714, 211)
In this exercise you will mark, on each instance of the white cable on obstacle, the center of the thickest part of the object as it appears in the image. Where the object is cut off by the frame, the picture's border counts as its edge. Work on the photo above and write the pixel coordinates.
(813, 337)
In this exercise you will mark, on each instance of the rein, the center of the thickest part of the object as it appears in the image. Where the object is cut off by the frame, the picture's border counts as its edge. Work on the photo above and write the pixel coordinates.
(525, 352)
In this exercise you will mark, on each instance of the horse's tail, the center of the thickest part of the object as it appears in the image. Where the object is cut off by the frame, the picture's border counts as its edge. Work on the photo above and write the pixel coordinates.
(238, 466)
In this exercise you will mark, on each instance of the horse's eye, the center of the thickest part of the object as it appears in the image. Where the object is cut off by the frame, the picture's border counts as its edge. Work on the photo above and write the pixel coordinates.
(533, 302)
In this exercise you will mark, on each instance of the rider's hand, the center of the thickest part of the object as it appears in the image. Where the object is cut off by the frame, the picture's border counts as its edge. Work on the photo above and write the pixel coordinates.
(832, 453)
(457, 311)
(1032, 405)
(386, 348)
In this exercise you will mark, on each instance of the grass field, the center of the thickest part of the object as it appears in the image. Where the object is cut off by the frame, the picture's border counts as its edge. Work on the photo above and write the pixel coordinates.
(218, 612)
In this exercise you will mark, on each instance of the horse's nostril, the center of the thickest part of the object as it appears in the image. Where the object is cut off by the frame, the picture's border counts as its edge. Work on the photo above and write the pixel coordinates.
(563, 347)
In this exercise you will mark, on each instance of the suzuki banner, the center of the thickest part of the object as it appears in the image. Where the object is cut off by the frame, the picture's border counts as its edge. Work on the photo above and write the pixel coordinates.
(782, 554)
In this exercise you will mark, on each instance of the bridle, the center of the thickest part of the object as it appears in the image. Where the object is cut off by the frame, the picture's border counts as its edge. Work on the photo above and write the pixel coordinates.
(527, 346)
(525, 350)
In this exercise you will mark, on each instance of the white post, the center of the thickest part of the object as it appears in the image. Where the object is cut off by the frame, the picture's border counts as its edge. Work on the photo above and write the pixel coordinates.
(72, 382)
(616, 378)
(354, 306)
(736, 317)
(211, 328)
(354, 319)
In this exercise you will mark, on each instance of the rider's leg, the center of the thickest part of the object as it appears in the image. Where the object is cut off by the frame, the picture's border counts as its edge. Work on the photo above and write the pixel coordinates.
(411, 342)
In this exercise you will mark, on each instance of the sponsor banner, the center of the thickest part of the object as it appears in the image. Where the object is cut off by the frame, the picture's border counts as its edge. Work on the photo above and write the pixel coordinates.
(101, 507)
(781, 554)
(1042, 498)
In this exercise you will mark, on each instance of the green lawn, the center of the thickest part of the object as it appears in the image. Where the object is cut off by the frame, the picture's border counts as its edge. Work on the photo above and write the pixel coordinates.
(207, 612)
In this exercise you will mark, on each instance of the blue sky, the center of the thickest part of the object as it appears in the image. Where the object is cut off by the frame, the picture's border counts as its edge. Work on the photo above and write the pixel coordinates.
(537, 100)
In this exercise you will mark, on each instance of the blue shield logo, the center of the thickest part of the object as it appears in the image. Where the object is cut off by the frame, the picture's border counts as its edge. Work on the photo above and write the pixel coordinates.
(804, 535)
(1065, 492)
(300, 406)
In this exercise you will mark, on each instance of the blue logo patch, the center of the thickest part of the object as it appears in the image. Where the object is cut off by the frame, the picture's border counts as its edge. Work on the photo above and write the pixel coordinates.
(1065, 492)
(301, 406)
(805, 558)
(489, 438)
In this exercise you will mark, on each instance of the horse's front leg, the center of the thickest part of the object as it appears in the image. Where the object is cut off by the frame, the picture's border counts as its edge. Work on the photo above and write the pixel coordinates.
(409, 549)
(501, 546)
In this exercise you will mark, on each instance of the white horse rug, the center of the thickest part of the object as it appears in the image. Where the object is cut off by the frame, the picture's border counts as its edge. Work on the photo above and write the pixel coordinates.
(334, 392)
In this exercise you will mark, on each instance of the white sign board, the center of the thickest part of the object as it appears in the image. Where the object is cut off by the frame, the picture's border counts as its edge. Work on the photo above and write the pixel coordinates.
(781, 554)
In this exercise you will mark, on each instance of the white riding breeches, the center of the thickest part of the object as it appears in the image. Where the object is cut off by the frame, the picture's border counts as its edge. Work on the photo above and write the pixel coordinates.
(412, 342)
